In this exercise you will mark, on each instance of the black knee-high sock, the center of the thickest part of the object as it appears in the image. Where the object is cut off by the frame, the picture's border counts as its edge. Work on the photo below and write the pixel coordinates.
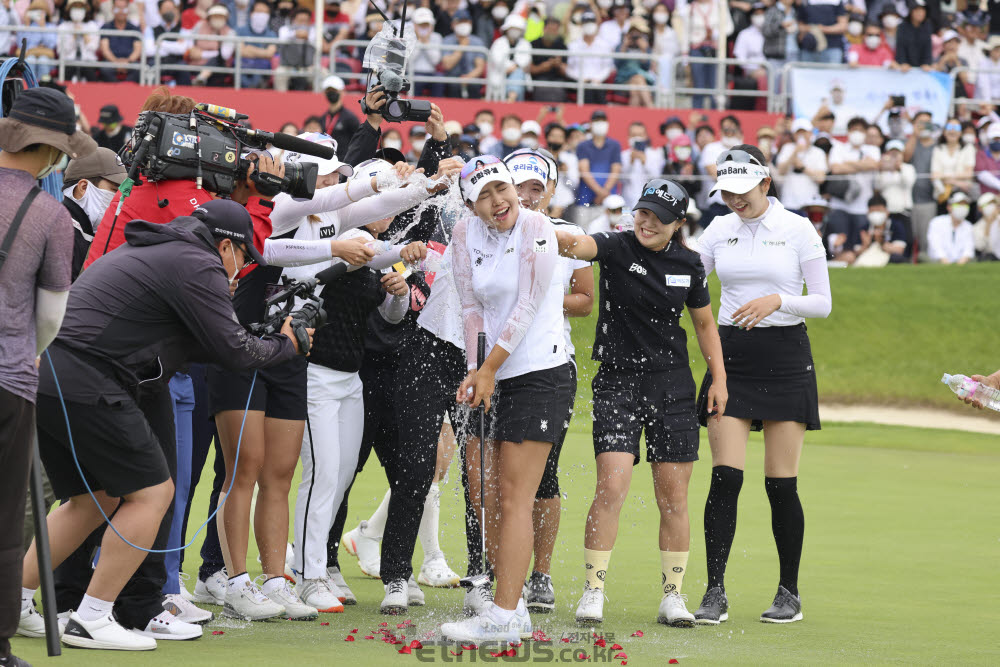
(720, 520)
(788, 525)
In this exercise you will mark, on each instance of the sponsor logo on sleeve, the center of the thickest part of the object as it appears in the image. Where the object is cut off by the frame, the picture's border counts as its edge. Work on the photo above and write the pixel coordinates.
(678, 281)
(541, 246)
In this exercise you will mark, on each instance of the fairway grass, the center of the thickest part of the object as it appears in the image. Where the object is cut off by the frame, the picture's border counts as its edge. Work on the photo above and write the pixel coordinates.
(900, 566)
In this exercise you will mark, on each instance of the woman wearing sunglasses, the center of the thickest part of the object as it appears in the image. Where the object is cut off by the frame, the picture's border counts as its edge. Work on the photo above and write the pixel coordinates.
(762, 254)
(507, 278)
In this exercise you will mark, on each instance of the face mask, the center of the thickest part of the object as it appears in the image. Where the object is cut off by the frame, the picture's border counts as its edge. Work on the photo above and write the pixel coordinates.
(757, 20)
(95, 202)
(890, 22)
(392, 143)
(500, 12)
(959, 212)
(660, 18)
(872, 42)
(418, 145)
(531, 143)
(56, 162)
(217, 24)
(514, 35)
(590, 29)
(333, 96)
(463, 29)
(77, 14)
(554, 147)
(168, 17)
(424, 30)
(968, 139)
(649, 4)
(242, 3)
(614, 218)
(510, 135)
(485, 129)
(576, 18)
(604, 4)
(259, 21)
(729, 141)
(877, 218)
(673, 133)
(856, 138)
(683, 153)
(599, 128)
(855, 28)
(35, 15)
(989, 210)
(995, 146)
(236, 265)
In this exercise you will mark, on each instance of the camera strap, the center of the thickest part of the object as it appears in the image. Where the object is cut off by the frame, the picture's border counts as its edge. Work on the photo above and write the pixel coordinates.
(15, 224)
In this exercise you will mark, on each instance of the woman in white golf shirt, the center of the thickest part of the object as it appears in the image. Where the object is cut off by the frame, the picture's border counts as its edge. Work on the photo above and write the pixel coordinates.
(762, 254)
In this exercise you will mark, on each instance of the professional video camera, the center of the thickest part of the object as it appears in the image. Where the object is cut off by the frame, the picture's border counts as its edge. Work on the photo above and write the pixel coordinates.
(385, 60)
(310, 316)
(209, 146)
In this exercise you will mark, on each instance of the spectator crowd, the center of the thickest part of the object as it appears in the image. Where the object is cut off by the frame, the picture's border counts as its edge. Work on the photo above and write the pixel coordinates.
(543, 50)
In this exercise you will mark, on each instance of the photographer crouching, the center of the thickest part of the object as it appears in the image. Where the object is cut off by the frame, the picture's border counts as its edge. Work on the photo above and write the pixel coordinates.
(132, 320)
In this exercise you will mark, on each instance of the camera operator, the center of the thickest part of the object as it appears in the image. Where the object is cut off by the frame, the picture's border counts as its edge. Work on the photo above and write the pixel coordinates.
(89, 185)
(133, 320)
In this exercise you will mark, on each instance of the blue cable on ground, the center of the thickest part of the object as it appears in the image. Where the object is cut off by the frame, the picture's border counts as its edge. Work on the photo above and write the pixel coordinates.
(79, 469)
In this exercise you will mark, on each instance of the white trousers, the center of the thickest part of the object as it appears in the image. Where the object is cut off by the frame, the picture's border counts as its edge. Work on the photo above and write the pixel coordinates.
(330, 447)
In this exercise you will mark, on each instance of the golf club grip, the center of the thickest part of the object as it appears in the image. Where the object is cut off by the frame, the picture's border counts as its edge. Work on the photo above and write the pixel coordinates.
(480, 350)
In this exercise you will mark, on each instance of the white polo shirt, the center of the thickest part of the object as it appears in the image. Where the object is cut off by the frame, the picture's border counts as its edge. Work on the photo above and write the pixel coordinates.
(568, 266)
(756, 259)
(946, 241)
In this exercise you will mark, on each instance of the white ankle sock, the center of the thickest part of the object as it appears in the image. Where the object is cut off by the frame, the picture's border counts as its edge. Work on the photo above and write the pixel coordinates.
(501, 616)
(273, 585)
(429, 523)
(92, 609)
(27, 595)
(376, 524)
(236, 583)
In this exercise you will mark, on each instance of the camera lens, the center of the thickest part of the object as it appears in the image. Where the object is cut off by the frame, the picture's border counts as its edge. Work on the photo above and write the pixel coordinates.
(397, 109)
(300, 179)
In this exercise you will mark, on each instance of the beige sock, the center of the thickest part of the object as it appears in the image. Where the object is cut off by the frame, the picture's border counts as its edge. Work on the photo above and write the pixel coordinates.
(673, 564)
(597, 567)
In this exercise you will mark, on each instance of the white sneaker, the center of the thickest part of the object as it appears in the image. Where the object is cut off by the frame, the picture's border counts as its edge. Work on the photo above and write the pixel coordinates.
(436, 573)
(184, 610)
(591, 607)
(168, 626)
(477, 600)
(414, 596)
(31, 623)
(365, 548)
(674, 612)
(396, 598)
(248, 603)
(485, 627)
(183, 578)
(338, 580)
(104, 633)
(212, 590)
(319, 594)
(290, 574)
(523, 619)
(63, 619)
(295, 609)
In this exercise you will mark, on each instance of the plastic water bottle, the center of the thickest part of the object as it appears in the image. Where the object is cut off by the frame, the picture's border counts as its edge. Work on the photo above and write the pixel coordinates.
(965, 387)
(431, 263)
(379, 246)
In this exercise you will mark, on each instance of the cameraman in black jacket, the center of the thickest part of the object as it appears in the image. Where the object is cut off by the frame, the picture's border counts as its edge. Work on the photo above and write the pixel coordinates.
(133, 319)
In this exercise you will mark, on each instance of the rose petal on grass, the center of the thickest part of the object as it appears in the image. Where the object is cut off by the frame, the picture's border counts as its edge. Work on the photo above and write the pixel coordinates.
(324, 623)
(453, 653)
(565, 640)
(405, 649)
(469, 647)
(369, 636)
(383, 624)
(621, 654)
(218, 632)
(416, 644)
(353, 632)
(600, 642)
(582, 655)
(616, 647)
(672, 661)
(637, 633)
(349, 638)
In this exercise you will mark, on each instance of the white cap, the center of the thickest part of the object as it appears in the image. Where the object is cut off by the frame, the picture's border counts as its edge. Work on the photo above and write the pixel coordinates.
(478, 172)
(993, 132)
(372, 167)
(894, 145)
(334, 82)
(531, 126)
(514, 21)
(986, 199)
(422, 16)
(948, 35)
(528, 166)
(612, 202)
(325, 166)
(218, 10)
(739, 177)
(452, 127)
(801, 125)
(959, 198)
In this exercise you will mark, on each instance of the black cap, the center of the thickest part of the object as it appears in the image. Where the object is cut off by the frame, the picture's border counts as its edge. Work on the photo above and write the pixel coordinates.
(390, 155)
(598, 115)
(588, 17)
(109, 114)
(666, 199)
(226, 219)
(912, 4)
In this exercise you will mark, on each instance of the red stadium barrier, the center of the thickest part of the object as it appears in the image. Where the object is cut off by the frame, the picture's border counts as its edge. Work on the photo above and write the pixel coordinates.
(268, 110)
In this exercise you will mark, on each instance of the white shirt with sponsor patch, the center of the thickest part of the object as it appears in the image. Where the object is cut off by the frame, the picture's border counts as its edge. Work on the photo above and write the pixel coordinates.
(756, 259)
(568, 266)
(511, 288)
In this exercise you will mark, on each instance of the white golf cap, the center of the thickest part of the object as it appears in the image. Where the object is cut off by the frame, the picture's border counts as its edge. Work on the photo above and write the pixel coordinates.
(612, 202)
(482, 170)
(325, 166)
(514, 21)
(528, 166)
(372, 167)
(334, 82)
(532, 127)
(423, 16)
(801, 125)
(895, 145)
(738, 172)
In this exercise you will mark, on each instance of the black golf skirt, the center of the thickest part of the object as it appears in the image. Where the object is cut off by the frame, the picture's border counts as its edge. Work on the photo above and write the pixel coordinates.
(534, 406)
(770, 376)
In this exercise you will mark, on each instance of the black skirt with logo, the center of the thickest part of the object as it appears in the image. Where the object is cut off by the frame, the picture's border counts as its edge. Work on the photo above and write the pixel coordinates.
(770, 376)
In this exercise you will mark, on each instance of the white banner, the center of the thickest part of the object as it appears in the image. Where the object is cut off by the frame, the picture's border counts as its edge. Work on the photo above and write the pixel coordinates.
(866, 90)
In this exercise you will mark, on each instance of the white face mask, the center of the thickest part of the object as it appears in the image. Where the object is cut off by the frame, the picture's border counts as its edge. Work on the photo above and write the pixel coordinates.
(683, 153)
(757, 20)
(500, 12)
(989, 210)
(463, 29)
(217, 24)
(485, 129)
(236, 265)
(510, 135)
(58, 161)
(729, 141)
(855, 28)
(35, 15)
(856, 138)
(891, 22)
(660, 18)
(959, 212)
(259, 21)
(424, 30)
(877, 218)
(673, 133)
(531, 142)
(872, 42)
(418, 145)
(514, 34)
(77, 14)
(392, 143)
(95, 202)
(968, 139)
(590, 29)
(599, 128)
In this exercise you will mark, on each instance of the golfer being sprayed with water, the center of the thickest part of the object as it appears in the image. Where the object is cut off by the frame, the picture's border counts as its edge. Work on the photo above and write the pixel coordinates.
(506, 274)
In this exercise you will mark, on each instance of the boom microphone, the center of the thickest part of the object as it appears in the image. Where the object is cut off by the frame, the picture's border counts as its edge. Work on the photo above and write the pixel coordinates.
(291, 143)
(332, 273)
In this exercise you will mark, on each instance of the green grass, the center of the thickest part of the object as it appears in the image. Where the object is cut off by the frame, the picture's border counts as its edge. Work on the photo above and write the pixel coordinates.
(899, 567)
(893, 332)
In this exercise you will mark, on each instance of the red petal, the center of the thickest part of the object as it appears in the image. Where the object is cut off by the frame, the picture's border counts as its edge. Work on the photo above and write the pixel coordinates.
(353, 632)
(637, 633)
(601, 642)
(416, 644)
(539, 636)
(517, 645)
(621, 654)
(469, 647)
(218, 632)
(324, 623)
(616, 647)
(565, 640)
(582, 656)
(624, 662)
(405, 649)
(672, 661)
(383, 624)
(349, 638)
(369, 636)
(453, 653)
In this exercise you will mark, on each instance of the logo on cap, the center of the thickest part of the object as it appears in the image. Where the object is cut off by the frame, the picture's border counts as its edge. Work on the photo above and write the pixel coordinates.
(661, 194)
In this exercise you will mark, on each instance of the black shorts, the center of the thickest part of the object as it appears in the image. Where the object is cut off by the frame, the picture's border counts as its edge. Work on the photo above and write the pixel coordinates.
(627, 401)
(770, 376)
(532, 406)
(120, 447)
(549, 486)
(279, 391)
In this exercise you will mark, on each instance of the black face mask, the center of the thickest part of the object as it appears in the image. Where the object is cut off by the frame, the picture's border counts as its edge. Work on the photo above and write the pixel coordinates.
(169, 18)
(823, 144)
(333, 96)
(555, 148)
